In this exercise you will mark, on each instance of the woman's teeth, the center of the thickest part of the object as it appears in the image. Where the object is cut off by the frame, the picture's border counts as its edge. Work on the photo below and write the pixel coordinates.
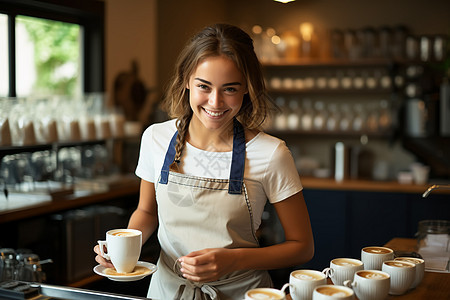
(214, 114)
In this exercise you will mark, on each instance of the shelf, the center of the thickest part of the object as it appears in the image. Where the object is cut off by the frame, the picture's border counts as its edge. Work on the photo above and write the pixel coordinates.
(329, 62)
(330, 91)
(8, 150)
(326, 133)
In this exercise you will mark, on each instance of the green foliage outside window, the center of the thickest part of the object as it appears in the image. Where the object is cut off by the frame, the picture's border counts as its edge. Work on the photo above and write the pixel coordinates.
(56, 55)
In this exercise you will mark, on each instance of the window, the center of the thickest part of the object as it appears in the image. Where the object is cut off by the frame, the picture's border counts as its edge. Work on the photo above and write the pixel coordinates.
(51, 49)
(4, 65)
(47, 57)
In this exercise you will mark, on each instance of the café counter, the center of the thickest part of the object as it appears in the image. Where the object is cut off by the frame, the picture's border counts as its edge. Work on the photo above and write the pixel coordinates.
(433, 286)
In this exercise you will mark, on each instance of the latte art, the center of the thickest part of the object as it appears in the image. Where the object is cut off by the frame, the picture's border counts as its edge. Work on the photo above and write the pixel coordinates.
(377, 250)
(263, 295)
(123, 233)
(346, 262)
(305, 275)
(410, 260)
(372, 275)
(333, 291)
(398, 264)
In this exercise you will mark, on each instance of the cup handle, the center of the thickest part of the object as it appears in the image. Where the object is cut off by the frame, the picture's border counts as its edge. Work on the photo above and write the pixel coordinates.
(286, 285)
(328, 272)
(102, 244)
(349, 284)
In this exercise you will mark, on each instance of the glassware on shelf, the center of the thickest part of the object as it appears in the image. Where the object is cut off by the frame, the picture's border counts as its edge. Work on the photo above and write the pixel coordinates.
(22, 127)
(280, 122)
(385, 117)
(320, 116)
(358, 81)
(5, 129)
(333, 117)
(346, 79)
(307, 115)
(359, 120)
(372, 124)
(346, 119)
(293, 118)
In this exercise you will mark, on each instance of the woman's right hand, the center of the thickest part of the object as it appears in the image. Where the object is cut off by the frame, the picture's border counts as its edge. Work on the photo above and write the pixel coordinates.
(100, 259)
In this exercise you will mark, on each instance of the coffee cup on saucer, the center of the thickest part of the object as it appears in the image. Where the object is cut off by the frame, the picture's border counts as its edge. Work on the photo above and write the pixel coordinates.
(123, 248)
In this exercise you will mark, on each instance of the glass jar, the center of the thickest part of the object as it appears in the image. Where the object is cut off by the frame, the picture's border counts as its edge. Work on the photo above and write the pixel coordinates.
(434, 234)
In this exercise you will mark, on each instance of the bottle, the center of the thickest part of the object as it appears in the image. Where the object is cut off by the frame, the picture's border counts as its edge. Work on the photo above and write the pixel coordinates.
(307, 115)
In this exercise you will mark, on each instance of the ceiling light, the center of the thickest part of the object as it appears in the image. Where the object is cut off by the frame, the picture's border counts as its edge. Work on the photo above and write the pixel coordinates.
(284, 1)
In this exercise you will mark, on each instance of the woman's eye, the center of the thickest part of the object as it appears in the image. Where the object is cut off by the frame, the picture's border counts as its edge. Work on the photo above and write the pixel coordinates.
(203, 86)
(230, 89)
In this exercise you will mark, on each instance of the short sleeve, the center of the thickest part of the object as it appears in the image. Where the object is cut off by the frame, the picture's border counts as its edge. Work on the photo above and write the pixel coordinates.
(146, 166)
(281, 179)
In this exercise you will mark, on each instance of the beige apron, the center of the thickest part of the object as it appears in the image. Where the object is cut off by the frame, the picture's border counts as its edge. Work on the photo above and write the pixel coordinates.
(196, 213)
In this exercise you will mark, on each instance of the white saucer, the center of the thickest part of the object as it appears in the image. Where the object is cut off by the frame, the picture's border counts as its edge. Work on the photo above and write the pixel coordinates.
(99, 270)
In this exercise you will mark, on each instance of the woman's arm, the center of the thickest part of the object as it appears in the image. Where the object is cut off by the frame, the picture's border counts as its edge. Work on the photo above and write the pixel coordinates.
(210, 264)
(144, 218)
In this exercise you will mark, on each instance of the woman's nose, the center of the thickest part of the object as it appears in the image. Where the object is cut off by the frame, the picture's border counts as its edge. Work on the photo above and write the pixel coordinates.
(215, 99)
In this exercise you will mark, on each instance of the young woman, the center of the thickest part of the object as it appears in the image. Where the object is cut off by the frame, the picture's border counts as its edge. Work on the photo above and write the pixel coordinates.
(207, 173)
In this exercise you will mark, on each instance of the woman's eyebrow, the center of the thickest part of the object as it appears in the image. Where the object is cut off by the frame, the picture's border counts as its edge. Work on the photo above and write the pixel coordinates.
(226, 84)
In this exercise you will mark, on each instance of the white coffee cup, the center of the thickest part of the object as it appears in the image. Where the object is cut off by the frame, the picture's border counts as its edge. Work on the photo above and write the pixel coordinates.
(370, 284)
(402, 275)
(342, 269)
(420, 268)
(303, 282)
(123, 248)
(374, 256)
(333, 292)
(266, 294)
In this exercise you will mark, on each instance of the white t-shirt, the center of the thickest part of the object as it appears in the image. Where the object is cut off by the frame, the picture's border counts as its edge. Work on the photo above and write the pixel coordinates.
(270, 172)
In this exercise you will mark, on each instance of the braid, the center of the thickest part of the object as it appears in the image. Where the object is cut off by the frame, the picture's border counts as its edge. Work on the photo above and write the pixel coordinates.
(182, 127)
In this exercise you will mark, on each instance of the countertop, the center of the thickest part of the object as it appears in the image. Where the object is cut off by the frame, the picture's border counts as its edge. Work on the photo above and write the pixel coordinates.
(21, 206)
(28, 205)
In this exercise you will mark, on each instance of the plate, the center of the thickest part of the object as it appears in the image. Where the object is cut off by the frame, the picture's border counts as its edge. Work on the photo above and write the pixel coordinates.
(100, 270)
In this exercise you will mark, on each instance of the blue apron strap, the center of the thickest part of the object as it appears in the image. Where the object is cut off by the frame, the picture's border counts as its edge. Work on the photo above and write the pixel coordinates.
(237, 159)
(168, 160)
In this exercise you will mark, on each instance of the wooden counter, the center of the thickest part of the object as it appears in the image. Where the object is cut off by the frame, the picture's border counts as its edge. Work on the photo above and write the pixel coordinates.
(367, 185)
(433, 286)
(126, 185)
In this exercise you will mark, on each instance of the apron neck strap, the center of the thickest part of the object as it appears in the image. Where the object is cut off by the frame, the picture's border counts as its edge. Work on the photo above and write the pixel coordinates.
(237, 160)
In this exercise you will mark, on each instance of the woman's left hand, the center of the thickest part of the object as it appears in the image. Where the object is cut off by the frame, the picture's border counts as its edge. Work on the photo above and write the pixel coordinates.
(208, 264)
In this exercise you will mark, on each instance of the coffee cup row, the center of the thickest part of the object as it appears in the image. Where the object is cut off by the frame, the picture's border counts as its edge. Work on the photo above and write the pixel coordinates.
(373, 277)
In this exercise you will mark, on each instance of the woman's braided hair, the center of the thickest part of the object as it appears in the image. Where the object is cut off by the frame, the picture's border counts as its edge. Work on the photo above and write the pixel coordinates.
(216, 40)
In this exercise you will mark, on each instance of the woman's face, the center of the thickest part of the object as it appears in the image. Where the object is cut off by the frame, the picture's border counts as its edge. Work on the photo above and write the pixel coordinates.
(216, 92)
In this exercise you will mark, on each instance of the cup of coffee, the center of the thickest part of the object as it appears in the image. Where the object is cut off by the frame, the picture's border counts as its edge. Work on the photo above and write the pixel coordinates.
(123, 248)
(303, 282)
(342, 269)
(402, 275)
(374, 256)
(266, 294)
(420, 268)
(333, 292)
(370, 284)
